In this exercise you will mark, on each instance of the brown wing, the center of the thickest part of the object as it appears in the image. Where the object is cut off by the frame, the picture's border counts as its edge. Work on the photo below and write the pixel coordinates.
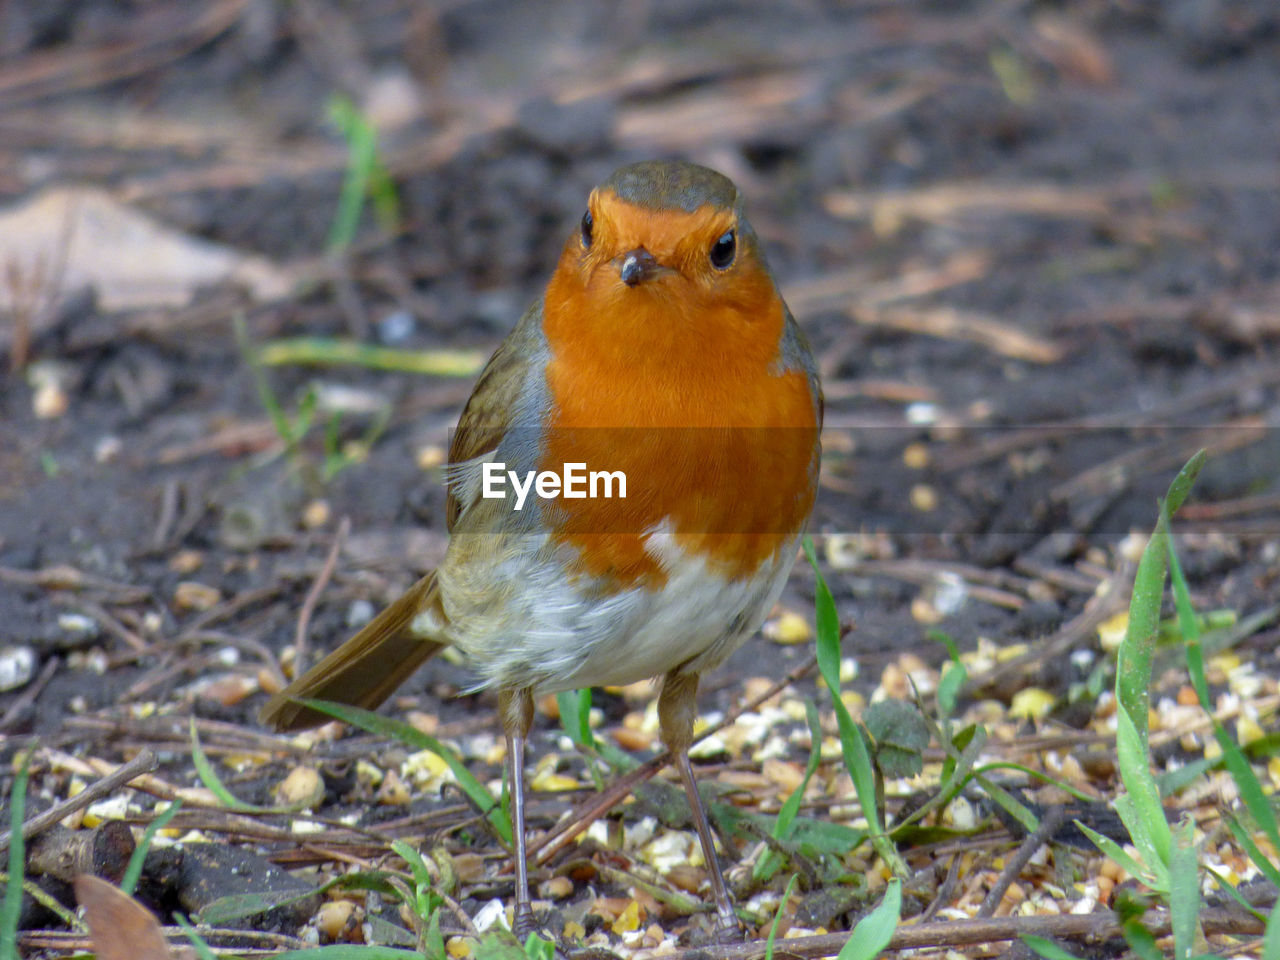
(494, 402)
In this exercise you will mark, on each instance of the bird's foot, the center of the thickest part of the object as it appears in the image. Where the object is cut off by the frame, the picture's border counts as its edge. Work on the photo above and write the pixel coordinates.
(524, 925)
(727, 931)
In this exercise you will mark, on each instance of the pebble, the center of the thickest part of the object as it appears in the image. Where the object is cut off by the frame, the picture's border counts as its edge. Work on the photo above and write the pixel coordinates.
(396, 327)
(921, 414)
(108, 449)
(491, 913)
(359, 613)
(17, 666)
(80, 626)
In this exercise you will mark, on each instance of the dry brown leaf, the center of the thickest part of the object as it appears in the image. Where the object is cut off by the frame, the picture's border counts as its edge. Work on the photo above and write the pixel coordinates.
(120, 927)
(72, 237)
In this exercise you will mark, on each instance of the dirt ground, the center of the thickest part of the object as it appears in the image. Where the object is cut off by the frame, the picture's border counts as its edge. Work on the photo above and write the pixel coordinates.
(1036, 247)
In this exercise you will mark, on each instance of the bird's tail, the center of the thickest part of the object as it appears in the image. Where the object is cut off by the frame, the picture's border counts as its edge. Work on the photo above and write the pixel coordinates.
(366, 669)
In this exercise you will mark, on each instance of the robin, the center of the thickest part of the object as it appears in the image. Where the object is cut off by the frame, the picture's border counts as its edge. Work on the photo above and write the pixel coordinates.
(661, 362)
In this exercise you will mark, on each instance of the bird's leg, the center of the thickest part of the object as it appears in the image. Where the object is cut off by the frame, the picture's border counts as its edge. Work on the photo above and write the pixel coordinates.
(516, 707)
(677, 708)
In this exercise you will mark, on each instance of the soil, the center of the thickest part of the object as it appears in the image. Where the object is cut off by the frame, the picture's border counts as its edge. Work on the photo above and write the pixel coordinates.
(1035, 246)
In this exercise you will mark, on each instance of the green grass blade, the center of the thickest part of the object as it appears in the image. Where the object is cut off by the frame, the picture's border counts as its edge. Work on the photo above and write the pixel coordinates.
(1040, 775)
(1184, 891)
(1114, 851)
(954, 675)
(334, 351)
(129, 882)
(875, 930)
(1251, 849)
(826, 626)
(1133, 666)
(1271, 939)
(1141, 942)
(1235, 894)
(1047, 948)
(575, 716)
(202, 949)
(956, 771)
(433, 940)
(1183, 482)
(12, 906)
(1141, 808)
(209, 777)
(777, 917)
(374, 723)
(1008, 803)
(857, 758)
(770, 861)
(362, 150)
(1251, 792)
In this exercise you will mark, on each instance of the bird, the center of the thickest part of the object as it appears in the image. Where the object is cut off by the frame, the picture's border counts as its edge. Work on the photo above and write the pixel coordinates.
(662, 359)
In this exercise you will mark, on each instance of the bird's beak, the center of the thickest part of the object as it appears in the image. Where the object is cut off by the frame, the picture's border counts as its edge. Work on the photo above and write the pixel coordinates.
(637, 266)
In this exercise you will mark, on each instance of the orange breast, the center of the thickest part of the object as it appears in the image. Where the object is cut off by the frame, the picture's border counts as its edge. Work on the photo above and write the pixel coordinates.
(684, 396)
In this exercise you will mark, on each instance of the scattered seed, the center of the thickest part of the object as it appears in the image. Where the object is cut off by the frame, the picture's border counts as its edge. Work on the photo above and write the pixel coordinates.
(190, 595)
(339, 920)
(924, 497)
(186, 562)
(393, 792)
(555, 888)
(302, 787)
(915, 456)
(1033, 703)
(788, 629)
(316, 514)
(430, 456)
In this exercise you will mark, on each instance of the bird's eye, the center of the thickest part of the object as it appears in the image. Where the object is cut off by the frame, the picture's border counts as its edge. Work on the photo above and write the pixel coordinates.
(587, 226)
(723, 250)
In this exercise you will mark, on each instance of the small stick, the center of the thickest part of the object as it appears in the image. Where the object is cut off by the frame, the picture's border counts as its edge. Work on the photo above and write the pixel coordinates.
(168, 515)
(143, 763)
(313, 597)
(1099, 925)
(1053, 818)
(112, 625)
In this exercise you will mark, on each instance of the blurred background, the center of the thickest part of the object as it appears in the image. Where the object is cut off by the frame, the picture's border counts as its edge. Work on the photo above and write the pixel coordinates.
(253, 253)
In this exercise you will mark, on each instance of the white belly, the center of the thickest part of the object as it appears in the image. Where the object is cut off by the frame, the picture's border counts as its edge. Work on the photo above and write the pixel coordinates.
(542, 630)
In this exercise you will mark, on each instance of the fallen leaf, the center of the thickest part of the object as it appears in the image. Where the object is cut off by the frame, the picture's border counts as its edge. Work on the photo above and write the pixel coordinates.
(119, 926)
(66, 238)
